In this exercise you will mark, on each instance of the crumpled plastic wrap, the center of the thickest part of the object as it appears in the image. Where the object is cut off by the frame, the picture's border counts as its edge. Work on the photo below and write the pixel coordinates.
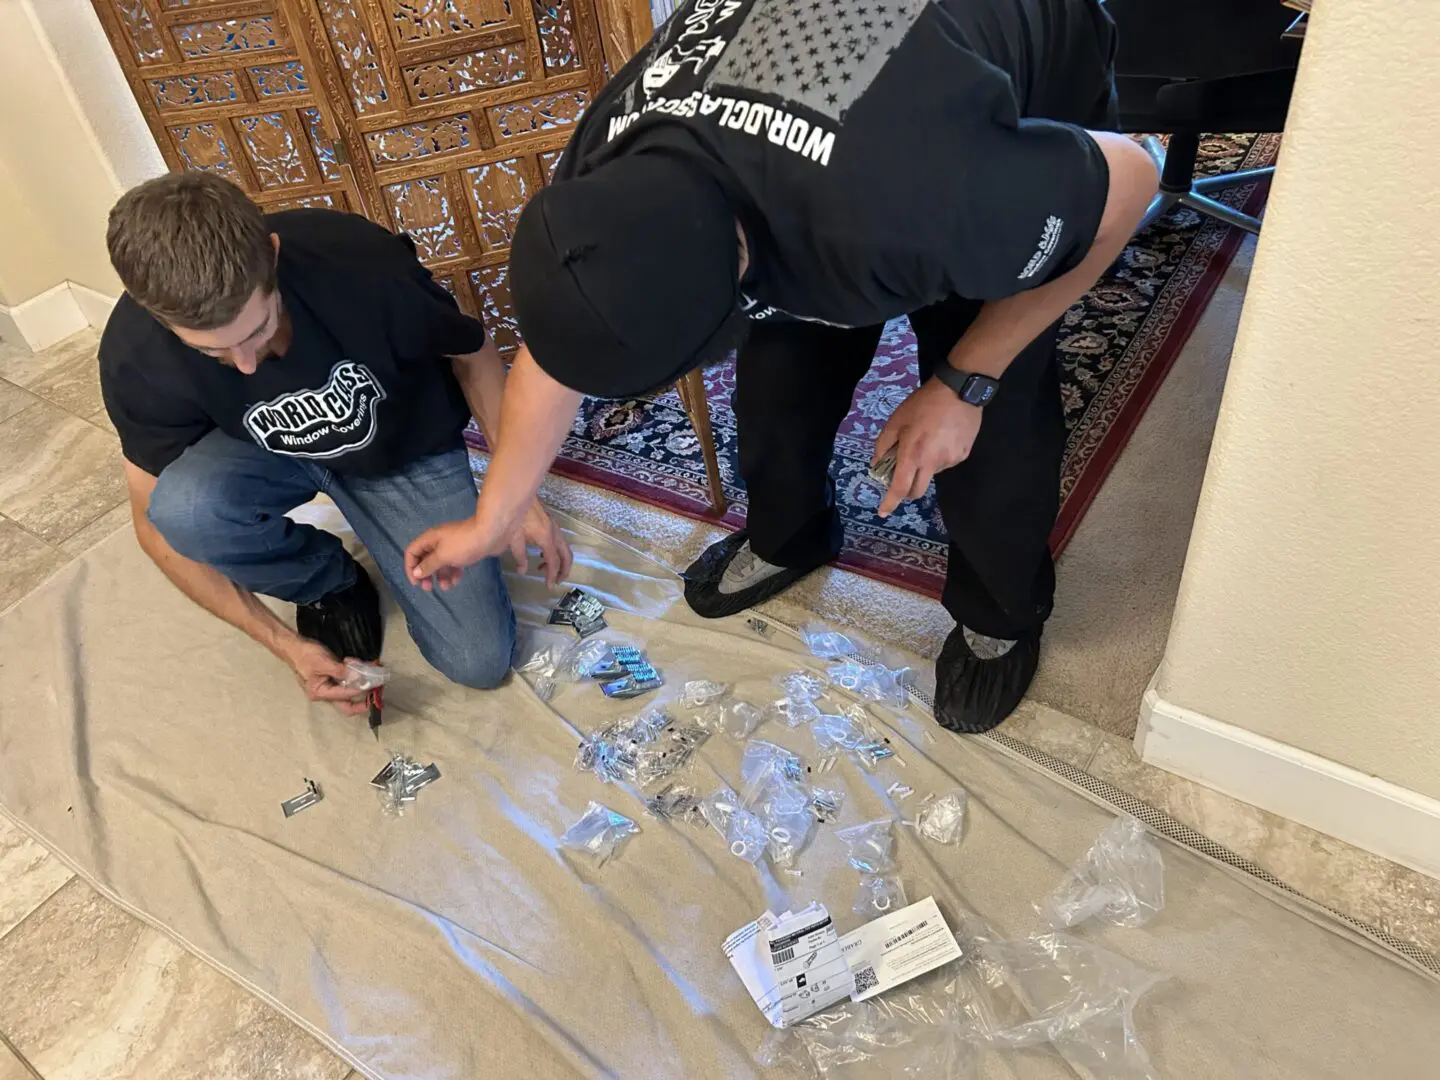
(1057, 989)
(1120, 880)
(905, 1034)
(599, 833)
(879, 894)
(870, 847)
(941, 818)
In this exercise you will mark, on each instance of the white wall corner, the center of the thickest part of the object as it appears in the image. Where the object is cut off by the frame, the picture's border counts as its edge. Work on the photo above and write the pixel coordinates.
(43, 320)
(95, 306)
(1364, 810)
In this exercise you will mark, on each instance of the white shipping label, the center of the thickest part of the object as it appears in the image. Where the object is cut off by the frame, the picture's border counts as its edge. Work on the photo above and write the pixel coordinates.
(897, 947)
(810, 970)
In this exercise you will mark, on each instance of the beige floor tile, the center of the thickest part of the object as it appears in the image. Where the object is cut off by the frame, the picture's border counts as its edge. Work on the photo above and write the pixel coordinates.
(28, 875)
(13, 399)
(1072, 741)
(1328, 871)
(23, 368)
(99, 529)
(73, 385)
(24, 562)
(89, 993)
(60, 472)
(11, 1067)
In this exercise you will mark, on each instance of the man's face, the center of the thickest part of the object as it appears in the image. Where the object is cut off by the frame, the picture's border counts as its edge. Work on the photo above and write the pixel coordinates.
(244, 341)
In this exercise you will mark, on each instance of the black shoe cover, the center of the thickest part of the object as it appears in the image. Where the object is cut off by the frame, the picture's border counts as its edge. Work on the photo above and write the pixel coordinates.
(974, 695)
(347, 622)
(702, 580)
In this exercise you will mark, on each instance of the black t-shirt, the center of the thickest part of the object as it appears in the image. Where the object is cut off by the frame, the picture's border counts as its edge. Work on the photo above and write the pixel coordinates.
(365, 387)
(882, 154)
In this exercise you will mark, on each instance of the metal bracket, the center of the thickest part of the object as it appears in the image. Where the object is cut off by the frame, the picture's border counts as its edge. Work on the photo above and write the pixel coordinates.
(306, 799)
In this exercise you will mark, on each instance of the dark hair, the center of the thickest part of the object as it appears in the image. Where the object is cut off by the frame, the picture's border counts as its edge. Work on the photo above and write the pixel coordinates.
(191, 248)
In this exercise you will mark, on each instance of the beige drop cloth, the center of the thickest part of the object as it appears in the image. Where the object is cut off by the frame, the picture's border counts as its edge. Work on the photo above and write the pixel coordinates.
(152, 746)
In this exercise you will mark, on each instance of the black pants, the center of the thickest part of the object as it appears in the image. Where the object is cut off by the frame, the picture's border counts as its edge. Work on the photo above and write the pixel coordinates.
(795, 382)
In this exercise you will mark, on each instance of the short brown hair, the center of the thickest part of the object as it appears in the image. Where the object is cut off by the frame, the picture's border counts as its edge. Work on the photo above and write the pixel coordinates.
(191, 248)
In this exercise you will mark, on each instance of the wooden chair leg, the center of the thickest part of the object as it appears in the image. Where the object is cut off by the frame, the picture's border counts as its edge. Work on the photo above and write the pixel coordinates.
(697, 407)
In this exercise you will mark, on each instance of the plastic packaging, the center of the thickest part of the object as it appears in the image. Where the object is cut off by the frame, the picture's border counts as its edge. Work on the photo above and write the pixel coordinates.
(909, 1035)
(941, 818)
(642, 749)
(783, 807)
(871, 846)
(742, 830)
(1058, 989)
(761, 756)
(541, 669)
(825, 803)
(834, 733)
(577, 660)
(700, 692)
(1120, 880)
(874, 682)
(792, 713)
(675, 802)
(879, 895)
(739, 718)
(802, 685)
(827, 644)
(363, 676)
(599, 833)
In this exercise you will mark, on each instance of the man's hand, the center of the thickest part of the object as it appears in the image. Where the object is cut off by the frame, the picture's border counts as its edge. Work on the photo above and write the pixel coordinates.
(440, 555)
(931, 431)
(320, 676)
(539, 530)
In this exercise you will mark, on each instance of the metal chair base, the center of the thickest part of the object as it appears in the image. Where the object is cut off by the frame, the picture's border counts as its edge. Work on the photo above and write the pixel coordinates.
(1195, 196)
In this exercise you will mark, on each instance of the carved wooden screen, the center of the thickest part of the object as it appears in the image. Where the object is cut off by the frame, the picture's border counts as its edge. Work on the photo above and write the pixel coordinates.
(436, 117)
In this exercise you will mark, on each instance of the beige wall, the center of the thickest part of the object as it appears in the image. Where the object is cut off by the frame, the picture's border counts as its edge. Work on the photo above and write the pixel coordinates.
(1310, 606)
(57, 181)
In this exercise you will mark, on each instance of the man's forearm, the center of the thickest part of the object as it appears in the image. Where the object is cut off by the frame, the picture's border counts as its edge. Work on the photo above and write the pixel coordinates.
(1003, 328)
(482, 381)
(214, 592)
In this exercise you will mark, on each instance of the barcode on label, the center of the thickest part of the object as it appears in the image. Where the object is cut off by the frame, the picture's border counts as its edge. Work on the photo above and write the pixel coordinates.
(901, 937)
(866, 979)
(782, 956)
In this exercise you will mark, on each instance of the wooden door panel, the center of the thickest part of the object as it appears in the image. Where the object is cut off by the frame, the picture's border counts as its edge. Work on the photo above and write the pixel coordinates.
(461, 108)
(226, 87)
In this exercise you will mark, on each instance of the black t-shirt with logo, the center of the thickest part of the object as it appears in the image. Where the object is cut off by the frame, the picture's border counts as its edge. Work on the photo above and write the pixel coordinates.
(365, 387)
(882, 154)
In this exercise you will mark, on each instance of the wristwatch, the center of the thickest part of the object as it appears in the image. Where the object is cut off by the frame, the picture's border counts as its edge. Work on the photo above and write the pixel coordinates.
(977, 390)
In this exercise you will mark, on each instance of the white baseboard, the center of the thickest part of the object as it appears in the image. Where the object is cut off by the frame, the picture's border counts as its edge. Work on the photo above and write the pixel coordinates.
(95, 306)
(1364, 810)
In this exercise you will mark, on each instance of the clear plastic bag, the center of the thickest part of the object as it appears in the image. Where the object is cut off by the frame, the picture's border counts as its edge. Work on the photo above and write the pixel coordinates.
(599, 833)
(760, 757)
(701, 692)
(879, 895)
(641, 749)
(941, 818)
(1120, 880)
(827, 644)
(1058, 989)
(834, 734)
(675, 802)
(579, 659)
(802, 685)
(364, 676)
(540, 670)
(742, 830)
(792, 713)
(909, 1035)
(783, 807)
(871, 846)
(825, 803)
(739, 719)
(874, 682)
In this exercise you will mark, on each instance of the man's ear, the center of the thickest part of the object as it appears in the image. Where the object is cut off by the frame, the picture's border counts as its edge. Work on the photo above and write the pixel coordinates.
(275, 240)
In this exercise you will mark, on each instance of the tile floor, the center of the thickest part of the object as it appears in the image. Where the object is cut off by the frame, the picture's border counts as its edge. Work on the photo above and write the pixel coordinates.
(87, 991)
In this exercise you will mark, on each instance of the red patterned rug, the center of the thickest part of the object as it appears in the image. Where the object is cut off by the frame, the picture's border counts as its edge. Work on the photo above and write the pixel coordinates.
(1116, 347)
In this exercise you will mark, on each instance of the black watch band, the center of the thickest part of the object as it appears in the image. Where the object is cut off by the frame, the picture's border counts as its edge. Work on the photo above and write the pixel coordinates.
(977, 390)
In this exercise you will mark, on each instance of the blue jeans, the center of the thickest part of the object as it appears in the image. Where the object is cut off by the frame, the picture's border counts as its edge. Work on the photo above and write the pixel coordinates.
(223, 503)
